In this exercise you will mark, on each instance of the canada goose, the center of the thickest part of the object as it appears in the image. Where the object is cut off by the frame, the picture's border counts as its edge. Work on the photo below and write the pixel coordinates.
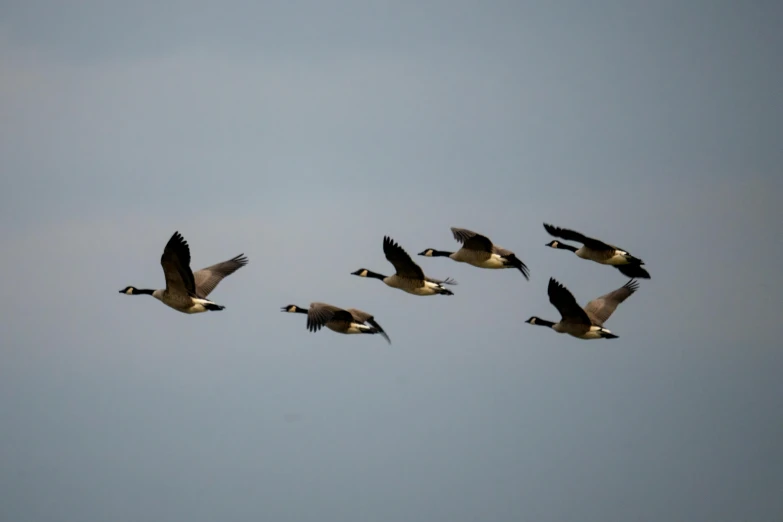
(478, 250)
(598, 251)
(409, 276)
(187, 291)
(350, 321)
(587, 322)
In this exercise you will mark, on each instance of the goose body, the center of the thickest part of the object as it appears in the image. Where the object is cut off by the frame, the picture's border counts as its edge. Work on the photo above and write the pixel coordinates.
(343, 321)
(587, 322)
(479, 251)
(409, 277)
(596, 250)
(185, 290)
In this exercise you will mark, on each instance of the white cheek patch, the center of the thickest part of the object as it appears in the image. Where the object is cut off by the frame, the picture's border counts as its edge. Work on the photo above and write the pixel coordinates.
(364, 273)
(129, 291)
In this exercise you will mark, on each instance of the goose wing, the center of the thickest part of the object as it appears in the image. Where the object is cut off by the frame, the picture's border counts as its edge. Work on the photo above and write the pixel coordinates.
(402, 262)
(601, 308)
(472, 240)
(208, 278)
(363, 317)
(562, 299)
(502, 252)
(447, 281)
(175, 261)
(633, 270)
(321, 313)
(573, 235)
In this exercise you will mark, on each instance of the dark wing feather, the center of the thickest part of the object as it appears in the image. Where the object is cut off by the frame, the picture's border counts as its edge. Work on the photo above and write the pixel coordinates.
(377, 326)
(601, 308)
(514, 261)
(562, 299)
(175, 261)
(359, 316)
(447, 281)
(402, 262)
(363, 317)
(208, 278)
(572, 235)
(633, 270)
(471, 240)
(321, 313)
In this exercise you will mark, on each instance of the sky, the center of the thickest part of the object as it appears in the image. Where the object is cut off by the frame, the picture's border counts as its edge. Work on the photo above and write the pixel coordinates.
(302, 132)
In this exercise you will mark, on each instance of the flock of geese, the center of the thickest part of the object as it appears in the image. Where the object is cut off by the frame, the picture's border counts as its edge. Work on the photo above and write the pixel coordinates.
(187, 291)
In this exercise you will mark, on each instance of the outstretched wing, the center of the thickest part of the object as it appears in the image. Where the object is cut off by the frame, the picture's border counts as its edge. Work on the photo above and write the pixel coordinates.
(601, 308)
(447, 281)
(573, 235)
(321, 313)
(175, 261)
(402, 262)
(208, 278)
(363, 317)
(472, 240)
(633, 270)
(562, 299)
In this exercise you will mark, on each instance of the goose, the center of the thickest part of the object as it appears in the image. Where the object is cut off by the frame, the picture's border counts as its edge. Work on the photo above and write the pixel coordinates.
(185, 290)
(587, 322)
(478, 250)
(349, 321)
(598, 251)
(409, 276)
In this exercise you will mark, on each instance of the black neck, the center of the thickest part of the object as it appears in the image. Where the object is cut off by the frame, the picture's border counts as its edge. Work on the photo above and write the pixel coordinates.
(375, 275)
(441, 253)
(565, 246)
(543, 322)
(300, 310)
(144, 291)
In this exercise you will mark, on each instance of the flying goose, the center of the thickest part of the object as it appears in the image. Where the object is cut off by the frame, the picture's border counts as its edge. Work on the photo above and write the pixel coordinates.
(478, 250)
(409, 276)
(185, 290)
(598, 251)
(350, 321)
(587, 322)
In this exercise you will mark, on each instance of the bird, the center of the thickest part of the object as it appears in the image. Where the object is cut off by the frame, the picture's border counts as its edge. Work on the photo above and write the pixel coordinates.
(598, 251)
(348, 321)
(587, 322)
(185, 290)
(409, 276)
(478, 250)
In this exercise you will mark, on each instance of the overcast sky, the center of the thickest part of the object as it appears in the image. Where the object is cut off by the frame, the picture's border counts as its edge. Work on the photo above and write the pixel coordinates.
(301, 133)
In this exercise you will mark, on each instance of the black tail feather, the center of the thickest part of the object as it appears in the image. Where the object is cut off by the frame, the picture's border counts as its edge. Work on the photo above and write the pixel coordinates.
(633, 271)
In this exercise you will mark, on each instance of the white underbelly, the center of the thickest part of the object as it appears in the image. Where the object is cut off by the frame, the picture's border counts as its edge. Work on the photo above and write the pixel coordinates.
(422, 290)
(355, 328)
(617, 259)
(404, 285)
(196, 306)
(595, 332)
(495, 261)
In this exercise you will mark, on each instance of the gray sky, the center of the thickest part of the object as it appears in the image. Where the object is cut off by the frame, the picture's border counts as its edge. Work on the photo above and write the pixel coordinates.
(300, 133)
